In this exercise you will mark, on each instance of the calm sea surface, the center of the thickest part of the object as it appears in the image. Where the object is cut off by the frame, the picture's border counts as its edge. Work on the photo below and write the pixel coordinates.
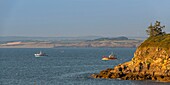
(63, 66)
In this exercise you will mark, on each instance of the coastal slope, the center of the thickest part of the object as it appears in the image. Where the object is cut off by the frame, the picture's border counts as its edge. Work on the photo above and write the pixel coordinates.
(151, 61)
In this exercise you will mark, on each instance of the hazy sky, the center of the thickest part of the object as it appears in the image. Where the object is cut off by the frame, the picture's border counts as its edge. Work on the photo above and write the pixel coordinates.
(81, 17)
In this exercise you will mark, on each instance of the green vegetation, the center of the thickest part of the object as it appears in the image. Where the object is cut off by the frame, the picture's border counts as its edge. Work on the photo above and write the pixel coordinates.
(157, 38)
(162, 41)
(155, 30)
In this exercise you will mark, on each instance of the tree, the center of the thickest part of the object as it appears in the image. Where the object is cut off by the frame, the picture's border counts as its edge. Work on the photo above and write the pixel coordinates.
(155, 30)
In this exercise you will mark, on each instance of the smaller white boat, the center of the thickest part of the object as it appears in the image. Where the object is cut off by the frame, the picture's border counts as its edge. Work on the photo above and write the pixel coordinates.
(41, 54)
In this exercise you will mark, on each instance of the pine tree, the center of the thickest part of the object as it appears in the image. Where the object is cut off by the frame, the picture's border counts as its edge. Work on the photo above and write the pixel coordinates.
(155, 30)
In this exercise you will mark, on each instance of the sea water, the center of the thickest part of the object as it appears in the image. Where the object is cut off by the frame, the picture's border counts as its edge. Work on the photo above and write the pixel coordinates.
(62, 66)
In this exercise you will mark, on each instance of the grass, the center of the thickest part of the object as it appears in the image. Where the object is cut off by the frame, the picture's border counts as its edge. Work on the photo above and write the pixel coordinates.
(162, 41)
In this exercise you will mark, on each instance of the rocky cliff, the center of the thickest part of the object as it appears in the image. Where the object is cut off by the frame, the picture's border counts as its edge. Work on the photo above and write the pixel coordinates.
(151, 61)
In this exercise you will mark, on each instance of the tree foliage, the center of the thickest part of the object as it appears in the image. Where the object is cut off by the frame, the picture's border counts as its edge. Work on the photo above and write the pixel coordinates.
(156, 29)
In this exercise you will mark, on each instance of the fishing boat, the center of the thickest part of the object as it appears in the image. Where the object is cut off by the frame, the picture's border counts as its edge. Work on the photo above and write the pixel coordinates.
(110, 57)
(41, 54)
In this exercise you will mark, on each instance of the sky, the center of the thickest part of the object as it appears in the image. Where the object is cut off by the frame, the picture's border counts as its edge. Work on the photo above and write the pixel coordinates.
(72, 18)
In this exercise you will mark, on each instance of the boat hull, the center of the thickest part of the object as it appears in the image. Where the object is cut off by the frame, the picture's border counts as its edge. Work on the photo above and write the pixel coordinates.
(105, 59)
(39, 56)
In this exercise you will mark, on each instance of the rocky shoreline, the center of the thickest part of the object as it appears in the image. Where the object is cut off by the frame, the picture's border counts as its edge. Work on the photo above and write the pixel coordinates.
(151, 61)
(124, 73)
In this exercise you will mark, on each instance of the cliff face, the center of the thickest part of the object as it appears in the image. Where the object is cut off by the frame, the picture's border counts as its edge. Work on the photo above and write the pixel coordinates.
(151, 61)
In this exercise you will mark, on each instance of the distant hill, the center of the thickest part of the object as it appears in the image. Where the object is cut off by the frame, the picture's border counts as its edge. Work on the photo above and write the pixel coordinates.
(117, 38)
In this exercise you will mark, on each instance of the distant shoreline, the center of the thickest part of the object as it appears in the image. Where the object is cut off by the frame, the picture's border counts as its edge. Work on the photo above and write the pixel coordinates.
(84, 44)
(104, 42)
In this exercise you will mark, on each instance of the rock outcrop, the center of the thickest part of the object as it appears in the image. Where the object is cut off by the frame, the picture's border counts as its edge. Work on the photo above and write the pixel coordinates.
(151, 61)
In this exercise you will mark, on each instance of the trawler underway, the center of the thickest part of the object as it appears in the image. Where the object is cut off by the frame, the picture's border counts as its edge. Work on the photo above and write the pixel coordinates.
(110, 57)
